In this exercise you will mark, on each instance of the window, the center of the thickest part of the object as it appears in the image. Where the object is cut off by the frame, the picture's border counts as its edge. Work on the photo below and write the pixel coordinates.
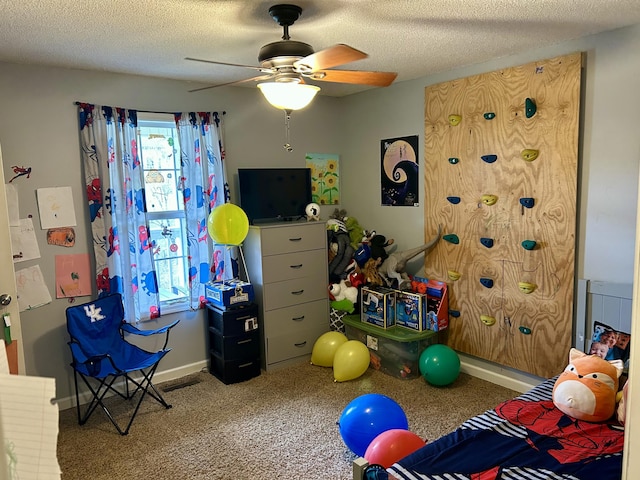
(159, 151)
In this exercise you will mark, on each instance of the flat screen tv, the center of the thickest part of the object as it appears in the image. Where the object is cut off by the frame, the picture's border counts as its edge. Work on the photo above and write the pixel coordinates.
(274, 194)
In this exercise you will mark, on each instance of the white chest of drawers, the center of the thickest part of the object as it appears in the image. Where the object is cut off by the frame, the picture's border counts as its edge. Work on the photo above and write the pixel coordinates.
(288, 267)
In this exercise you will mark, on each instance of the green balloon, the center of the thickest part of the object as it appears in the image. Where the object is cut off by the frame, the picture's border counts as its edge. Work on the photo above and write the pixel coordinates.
(439, 365)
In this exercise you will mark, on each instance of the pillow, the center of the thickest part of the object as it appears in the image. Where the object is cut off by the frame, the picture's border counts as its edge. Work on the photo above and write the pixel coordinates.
(621, 412)
(587, 388)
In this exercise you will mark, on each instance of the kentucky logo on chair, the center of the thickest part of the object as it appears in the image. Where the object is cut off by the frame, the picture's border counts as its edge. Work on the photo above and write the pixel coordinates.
(95, 314)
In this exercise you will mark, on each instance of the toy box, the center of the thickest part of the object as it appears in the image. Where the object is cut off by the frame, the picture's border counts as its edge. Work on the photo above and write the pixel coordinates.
(436, 309)
(378, 306)
(229, 293)
(395, 350)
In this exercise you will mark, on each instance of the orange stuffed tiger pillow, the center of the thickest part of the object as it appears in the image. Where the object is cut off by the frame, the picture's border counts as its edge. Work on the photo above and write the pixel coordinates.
(587, 388)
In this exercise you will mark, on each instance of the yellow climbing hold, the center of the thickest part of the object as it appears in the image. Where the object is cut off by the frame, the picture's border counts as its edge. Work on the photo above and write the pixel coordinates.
(526, 287)
(454, 120)
(529, 154)
(489, 199)
(488, 320)
(453, 275)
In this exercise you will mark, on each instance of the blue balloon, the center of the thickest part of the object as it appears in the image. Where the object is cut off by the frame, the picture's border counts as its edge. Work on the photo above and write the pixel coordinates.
(366, 417)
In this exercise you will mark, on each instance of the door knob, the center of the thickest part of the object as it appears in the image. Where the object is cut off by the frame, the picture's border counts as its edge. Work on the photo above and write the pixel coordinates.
(5, 299)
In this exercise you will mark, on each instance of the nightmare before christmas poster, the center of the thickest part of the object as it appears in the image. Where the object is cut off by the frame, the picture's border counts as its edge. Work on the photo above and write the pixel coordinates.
(399, 171)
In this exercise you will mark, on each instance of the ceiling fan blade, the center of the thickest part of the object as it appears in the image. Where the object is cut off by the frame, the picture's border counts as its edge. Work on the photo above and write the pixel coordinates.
(329, 57)
(375, 79)
(253, 79)
(224, 63)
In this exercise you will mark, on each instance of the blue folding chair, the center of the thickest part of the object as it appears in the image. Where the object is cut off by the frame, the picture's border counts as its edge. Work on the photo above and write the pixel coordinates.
(102, 356)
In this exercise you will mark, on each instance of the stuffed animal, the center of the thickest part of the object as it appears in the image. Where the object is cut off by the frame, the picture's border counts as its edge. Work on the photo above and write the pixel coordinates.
(340, 243)
(587, 388)
(392, 269)
(621, 411)
(378, 245)
(356, 232)
(340, 291)
(370, 272)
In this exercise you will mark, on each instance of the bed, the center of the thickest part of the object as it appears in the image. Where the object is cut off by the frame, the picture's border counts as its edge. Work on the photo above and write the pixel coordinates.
(527, 437)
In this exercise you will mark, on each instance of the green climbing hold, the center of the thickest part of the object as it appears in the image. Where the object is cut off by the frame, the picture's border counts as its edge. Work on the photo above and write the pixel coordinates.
(453, 160)
(452, 238)
(489, 116)
(530, 107)
(529, 244)
(525, 330)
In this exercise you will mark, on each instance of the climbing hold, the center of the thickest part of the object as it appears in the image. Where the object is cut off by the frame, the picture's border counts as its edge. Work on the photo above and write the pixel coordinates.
(529, 244)
(489, 158)
(454, 120)
(530, 107)
(451, 238)
(486, 282)
(487, 242)
(453, 160)
(489, 116)
(529, 154)
(454, 313)
(527, 202)
(453, 275)
(488, 320)
(454, 200)
(524, 330)
(489, 199)
(526, 287)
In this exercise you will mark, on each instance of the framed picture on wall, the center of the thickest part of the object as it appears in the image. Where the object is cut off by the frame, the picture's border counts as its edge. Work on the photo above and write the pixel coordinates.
(399, 171)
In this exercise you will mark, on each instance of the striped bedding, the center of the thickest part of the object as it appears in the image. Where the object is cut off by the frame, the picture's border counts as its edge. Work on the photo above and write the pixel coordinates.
(523, 438)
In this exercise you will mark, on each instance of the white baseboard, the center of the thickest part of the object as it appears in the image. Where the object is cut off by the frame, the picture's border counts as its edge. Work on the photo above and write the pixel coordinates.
(159, 377)
(521, 384)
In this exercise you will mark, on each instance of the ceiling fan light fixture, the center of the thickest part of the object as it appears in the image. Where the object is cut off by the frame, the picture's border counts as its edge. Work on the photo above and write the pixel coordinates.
(288, 95)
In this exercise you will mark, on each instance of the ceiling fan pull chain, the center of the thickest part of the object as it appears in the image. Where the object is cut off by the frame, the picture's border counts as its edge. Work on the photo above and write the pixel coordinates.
(287, 120)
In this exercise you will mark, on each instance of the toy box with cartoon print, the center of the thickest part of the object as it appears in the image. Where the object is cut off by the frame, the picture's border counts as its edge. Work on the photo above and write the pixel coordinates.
(229, 293)
(378, 306)
(434, 306)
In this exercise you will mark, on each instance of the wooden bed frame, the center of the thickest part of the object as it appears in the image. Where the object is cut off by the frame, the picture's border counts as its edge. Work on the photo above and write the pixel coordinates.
(605, 302)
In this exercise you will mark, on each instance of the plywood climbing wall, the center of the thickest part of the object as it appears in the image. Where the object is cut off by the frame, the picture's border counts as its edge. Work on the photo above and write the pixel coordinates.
(501, 157)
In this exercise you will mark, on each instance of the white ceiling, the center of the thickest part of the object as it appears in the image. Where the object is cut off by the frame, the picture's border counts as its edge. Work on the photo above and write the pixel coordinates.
(412, 37)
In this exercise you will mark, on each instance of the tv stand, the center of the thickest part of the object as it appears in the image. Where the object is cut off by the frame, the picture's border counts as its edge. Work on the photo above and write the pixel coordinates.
(278, 221)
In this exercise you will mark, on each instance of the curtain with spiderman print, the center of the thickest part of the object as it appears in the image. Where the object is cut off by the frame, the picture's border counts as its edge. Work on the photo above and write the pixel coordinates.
(115, 187)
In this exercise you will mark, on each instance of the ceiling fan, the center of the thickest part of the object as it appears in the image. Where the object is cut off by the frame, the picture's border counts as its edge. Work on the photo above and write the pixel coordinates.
(289, 62)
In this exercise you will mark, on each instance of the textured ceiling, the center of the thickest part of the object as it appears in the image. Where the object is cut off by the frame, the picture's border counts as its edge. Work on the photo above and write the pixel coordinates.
(414, 38)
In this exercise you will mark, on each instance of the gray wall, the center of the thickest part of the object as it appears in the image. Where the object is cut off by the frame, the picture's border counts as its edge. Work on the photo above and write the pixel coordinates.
(41, 99)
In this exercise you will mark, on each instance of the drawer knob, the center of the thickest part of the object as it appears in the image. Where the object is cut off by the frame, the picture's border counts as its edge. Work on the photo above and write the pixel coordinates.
(298, 292)
(248, 340)
(296, 266)
(301, 344)
(298, 319)
(295, 239)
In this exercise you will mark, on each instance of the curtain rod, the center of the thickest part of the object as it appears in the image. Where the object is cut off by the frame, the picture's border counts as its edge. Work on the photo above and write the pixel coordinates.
(145, 111)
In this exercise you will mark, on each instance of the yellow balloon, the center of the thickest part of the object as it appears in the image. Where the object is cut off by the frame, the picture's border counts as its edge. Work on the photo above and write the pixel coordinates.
(228, 225)
(350, 361)
(325, 348)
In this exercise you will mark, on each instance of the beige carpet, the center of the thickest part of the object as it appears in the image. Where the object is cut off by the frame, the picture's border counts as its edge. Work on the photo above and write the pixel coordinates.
(282, 424)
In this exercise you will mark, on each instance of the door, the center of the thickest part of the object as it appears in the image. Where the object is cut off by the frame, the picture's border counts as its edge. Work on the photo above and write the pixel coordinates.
(15, 349)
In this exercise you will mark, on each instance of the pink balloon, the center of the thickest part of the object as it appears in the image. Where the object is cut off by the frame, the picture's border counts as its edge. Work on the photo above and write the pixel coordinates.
(391, 446)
